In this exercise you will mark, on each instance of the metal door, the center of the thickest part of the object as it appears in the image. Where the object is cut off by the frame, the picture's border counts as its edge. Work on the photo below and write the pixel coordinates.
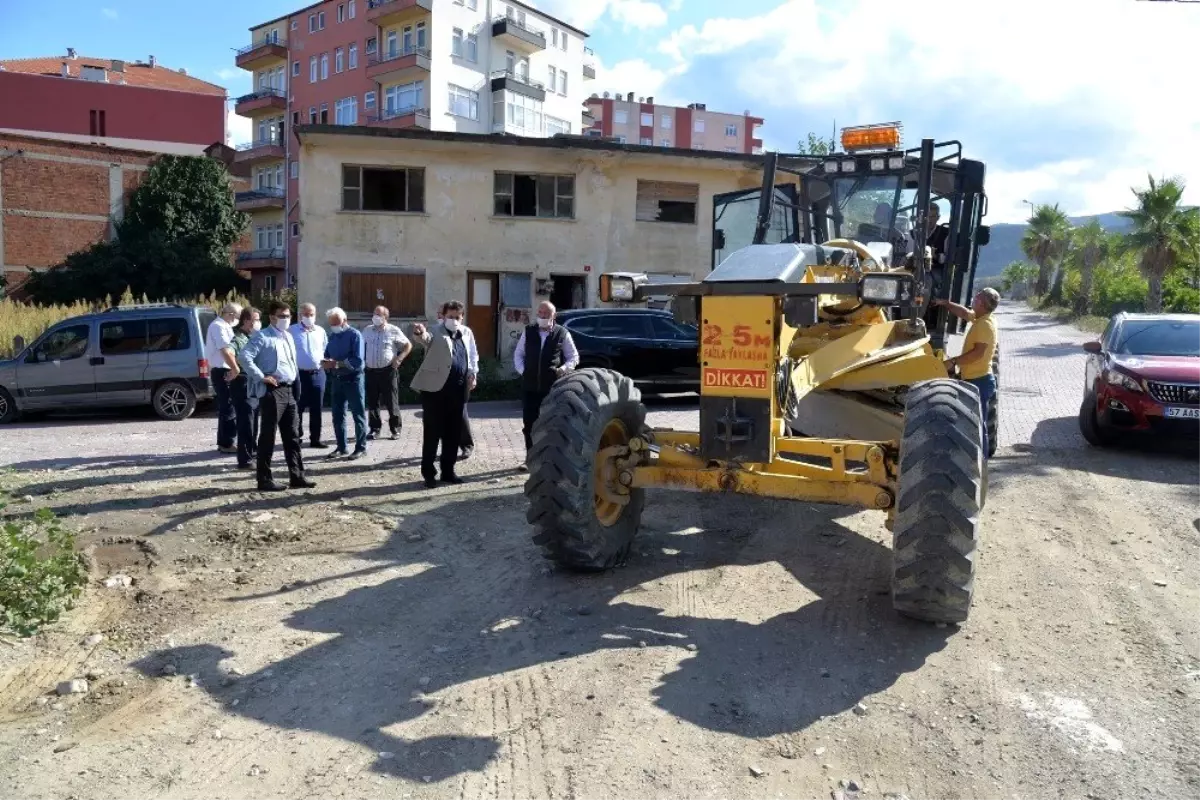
(57, 371)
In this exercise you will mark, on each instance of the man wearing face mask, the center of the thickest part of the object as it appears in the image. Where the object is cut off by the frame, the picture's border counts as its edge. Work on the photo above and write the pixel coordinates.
(544, 353)
(386, 347)
(344, 360)
(310, 342)
(445, 379)
(269, 360)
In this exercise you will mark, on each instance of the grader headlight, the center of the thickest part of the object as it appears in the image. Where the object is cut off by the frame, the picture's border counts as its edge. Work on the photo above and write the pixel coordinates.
(886, 289)
(620, 287)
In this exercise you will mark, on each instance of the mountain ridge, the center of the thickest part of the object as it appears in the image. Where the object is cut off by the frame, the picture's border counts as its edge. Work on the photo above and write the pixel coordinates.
(1005, 244)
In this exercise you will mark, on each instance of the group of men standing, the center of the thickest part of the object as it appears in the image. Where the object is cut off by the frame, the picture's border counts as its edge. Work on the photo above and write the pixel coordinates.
(283, 370)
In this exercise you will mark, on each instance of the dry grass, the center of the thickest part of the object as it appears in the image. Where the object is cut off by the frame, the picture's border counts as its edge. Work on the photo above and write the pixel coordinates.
(29, 321)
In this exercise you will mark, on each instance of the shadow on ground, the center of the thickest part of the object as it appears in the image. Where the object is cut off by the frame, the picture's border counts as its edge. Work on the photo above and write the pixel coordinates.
(752, 680)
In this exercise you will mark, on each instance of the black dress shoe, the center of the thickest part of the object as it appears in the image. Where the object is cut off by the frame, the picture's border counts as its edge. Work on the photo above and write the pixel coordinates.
(466, 453)
(430, 483)
(272, 487)
(303, 483)
(336, 454)
(319, 445)
(356, 455)
(451, 478)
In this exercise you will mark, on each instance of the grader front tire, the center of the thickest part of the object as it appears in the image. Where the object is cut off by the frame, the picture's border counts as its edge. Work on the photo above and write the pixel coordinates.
(585, 412)
(940, 496)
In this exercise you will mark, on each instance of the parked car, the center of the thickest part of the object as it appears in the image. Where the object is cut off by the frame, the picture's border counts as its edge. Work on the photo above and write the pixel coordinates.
(644, 344)
(125, 356)
(1143, 376)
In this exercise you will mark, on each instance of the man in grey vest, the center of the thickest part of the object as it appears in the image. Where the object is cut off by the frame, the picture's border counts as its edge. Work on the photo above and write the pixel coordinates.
(544, 353)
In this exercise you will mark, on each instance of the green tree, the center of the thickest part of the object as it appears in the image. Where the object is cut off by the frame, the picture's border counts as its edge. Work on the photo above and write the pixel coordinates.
(1016, 274)
(816, 146)
(1045, 242)
(1091, 245)
(1165, 236)
(174, 240)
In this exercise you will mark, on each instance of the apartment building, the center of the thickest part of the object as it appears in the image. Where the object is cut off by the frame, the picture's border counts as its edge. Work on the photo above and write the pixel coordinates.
(138, 105)
(642, 121)
(412, 218)
(471, 66)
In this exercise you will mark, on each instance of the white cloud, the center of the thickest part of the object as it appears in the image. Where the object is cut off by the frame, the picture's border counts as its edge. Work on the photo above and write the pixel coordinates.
(229, 73)
(1063, 103)
(638, 13)
(630, 13)
(635, 75)
(238, 129)
(109, 12)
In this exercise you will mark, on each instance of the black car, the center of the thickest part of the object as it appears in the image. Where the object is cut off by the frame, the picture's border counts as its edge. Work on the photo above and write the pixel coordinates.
(647, 345)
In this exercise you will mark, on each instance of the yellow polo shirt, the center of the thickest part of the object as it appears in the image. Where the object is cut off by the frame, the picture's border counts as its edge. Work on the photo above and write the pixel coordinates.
(982, 330)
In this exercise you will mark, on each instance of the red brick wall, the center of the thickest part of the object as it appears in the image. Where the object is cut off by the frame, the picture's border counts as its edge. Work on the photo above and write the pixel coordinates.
(45, 242)
(34, 185)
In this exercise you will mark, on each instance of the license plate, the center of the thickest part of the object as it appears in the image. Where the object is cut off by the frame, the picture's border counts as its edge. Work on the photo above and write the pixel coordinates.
(1183, 413)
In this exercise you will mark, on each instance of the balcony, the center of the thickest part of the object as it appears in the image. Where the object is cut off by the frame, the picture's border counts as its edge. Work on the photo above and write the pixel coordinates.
(402, 66)
(517, 37)
(390, 12)
(250, 260)
(589, 72)
(258, 199)
(410, 117)
(262, 53)
(256, 152)
(589, 64)
(589, 119)
(507, 81)
(262, 100)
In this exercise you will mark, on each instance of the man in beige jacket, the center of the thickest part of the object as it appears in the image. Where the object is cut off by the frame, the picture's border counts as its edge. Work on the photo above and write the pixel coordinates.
(445, 379)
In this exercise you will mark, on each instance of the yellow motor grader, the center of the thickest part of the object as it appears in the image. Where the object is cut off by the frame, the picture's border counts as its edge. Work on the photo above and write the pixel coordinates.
(821, 364)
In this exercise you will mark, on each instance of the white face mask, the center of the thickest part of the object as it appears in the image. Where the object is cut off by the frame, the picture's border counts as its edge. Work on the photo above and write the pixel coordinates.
(544, 323)
(336, 328)
(308, 322)
(257, 325)
(281, 324)
(451, 324)
(378, 321)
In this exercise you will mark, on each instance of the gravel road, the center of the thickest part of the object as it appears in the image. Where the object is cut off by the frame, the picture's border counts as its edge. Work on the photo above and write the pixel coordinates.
(369, 638)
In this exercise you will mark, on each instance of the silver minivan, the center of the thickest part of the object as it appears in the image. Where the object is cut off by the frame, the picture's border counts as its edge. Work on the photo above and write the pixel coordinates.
(125, 356)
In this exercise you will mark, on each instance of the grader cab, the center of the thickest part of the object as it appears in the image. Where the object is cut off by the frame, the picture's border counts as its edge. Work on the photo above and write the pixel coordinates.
(822, 375)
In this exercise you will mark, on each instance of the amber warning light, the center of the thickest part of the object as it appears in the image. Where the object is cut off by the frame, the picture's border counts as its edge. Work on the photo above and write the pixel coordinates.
(883, 136)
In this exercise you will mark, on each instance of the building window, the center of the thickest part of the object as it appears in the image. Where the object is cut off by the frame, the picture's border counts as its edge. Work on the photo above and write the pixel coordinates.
(562, 82)
(295, 229)
(464, 102)
(295, 170)
(350, 10)
(472, 48)
(518, 114)
(312, 115)
(268, 283)
(731, 149)
(473, 4)
(555, 125)
(664, 142)
(295, 118)
(341, 12)
(647, 120)
(523, 195)
(324, 113)
(295, 24)
(554, 37)
(324, 66)
(353, 56)
(456, 43)
(339, 60)
(404, 98)
(312, 69)
(383, 189)
(562, 41)
(731, 130)
(372, 45)
(321, 21)
(345, 111)
(295, 69)
(662, 201)
(647, 140)
(553, 78)
(621, 116)
(312, 23)
(390, 46)
(369, 100)
(699, 126)
(402, 292)
(664, 122)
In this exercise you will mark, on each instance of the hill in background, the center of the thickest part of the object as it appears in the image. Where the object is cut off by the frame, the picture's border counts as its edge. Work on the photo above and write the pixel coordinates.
(1005, 246)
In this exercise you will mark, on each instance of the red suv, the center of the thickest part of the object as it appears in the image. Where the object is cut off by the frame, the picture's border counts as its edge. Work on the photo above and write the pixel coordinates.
(1143, 376)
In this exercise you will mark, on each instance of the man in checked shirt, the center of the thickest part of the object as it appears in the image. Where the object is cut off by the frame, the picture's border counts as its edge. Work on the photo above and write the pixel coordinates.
(386, 347)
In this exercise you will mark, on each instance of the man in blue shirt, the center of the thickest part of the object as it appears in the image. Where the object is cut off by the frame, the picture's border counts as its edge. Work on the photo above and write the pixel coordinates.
(345, 362)
(310, 339)
(269, 361)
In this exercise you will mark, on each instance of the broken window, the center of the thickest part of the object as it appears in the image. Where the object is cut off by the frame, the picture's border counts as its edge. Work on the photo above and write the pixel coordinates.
(663, 201)
(383, 189)
(522, 195)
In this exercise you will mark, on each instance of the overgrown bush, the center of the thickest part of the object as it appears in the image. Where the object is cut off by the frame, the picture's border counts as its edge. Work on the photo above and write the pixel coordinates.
(40, 572)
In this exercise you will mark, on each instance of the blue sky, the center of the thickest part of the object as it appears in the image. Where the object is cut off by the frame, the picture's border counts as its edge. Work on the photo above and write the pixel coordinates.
(1069, 101)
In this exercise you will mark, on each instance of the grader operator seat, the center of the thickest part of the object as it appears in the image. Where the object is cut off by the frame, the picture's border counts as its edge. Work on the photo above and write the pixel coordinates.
(784, 325)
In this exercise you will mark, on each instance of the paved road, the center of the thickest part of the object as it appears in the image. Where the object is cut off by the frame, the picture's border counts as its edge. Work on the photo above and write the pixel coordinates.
(1041, 368)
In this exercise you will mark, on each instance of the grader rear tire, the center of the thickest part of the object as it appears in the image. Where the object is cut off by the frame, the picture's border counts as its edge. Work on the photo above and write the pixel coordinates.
(940, 496)
(586, 411)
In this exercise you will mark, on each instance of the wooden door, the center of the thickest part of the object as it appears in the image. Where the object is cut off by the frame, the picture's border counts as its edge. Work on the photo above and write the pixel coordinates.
(482, 299)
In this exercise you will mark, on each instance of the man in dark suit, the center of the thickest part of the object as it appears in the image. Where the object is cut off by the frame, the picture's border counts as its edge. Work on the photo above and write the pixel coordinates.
(544, 353)
(446, 377)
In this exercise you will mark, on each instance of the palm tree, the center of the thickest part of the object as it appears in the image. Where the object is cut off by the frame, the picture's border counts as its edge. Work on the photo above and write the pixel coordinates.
(1164, 235)
(1045, 242)
(1091, 246)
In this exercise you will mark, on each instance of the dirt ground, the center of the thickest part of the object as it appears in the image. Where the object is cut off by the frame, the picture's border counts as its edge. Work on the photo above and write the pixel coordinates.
(370, 638)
